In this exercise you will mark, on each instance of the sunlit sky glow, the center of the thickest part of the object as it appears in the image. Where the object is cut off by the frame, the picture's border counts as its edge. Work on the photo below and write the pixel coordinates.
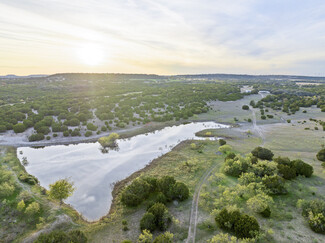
(162, 37)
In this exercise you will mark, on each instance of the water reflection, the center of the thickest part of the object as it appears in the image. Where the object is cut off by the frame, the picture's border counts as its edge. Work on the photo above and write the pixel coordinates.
(94, 171)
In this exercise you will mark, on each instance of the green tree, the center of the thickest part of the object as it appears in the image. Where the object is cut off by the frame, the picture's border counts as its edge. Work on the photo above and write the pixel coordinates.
(19, 128)
(166, 237)
(21, 206)
(145, 237)
(32, 209)
(61, 189)
(147, 222)
(321, 155)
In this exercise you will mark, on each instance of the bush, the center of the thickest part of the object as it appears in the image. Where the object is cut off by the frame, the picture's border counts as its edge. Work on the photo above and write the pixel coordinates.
(166, 185)
(287, 172)
(246, 227)
(162, 217)
(245, 107)
(180, 191)
(317, 222)
(136, 193)
(3, 128)
(227, 219)
(303, 168)
(91, 127)
(24, 177)
(66, 134)
(225, 148)
(274, 184)
(263, 153)
(109, 141)
(148, 222)
(19, 128)
(36, 137)
(88, 133)
(263, 117)
(222, 142)
(321, 155)
(32, 209)
(161, 198)
(166, 237)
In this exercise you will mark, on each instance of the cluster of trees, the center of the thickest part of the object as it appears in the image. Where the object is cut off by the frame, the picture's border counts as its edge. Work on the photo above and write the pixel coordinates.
(242, 225)
(70, 102)
(166, 188)
(289, 103)
(314, 211)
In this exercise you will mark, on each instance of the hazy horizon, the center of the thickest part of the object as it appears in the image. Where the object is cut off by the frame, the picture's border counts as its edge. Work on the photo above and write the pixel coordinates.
(162, 37)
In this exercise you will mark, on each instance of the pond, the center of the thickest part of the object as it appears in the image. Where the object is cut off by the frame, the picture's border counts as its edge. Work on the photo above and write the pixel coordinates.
(94, 172)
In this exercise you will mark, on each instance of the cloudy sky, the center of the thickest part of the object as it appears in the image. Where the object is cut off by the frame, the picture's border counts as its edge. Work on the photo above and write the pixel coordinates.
(162, 36)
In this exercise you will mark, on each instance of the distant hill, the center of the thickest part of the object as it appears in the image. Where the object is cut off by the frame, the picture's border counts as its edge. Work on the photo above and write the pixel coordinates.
(12, 76)
(126, 76)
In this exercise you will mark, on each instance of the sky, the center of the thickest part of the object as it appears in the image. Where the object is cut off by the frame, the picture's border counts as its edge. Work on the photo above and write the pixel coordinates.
(162, 37)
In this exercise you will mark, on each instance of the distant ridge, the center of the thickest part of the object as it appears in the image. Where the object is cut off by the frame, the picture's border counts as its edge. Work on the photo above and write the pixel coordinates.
(12, 76)
(222, 76)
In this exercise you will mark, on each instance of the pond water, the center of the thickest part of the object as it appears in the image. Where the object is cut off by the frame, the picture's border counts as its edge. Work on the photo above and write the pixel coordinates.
(94, 172)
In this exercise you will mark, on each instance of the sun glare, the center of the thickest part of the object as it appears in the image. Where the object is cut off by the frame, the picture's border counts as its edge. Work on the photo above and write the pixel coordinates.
(90, 54)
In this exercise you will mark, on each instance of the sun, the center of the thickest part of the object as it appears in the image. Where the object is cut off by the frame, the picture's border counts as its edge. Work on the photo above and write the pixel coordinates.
(90, 54)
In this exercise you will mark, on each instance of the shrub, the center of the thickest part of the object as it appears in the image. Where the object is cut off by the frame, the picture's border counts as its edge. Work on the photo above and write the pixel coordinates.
(226, 219)
(21, 206)
(88, 133)
(162, 217)
(263, 153)
(321, 155)
(245, 107)
(32, 209)
(317, 222)
(91, 127)
(223, 238)
(19, 128)
(263, 117)
(225, 148)
(180, 191)
(24, 177)
(36, 137)
(287, 172)
(274, 184)
(246, 227)
(66, 134)
(165, 185)
(303, 168)
(259, 203)
(235, 167)
(222, 142)
(166, 237)
(161, 198)
(75, 132)
(136, 192)
(3, 128)
(44, 129)
(147, 222)
(109, 141)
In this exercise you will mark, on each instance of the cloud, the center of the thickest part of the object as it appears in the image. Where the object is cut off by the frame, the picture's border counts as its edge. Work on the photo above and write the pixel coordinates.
(163, 36)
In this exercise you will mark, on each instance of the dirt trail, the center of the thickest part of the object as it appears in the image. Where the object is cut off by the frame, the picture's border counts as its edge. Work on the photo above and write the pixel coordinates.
(195, 206)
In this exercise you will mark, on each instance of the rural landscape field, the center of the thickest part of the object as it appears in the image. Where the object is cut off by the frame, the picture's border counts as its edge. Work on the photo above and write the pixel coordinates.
(162, 121)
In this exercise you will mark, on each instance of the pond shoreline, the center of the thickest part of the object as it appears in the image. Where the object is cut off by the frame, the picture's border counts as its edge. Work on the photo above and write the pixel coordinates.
(124, 133)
